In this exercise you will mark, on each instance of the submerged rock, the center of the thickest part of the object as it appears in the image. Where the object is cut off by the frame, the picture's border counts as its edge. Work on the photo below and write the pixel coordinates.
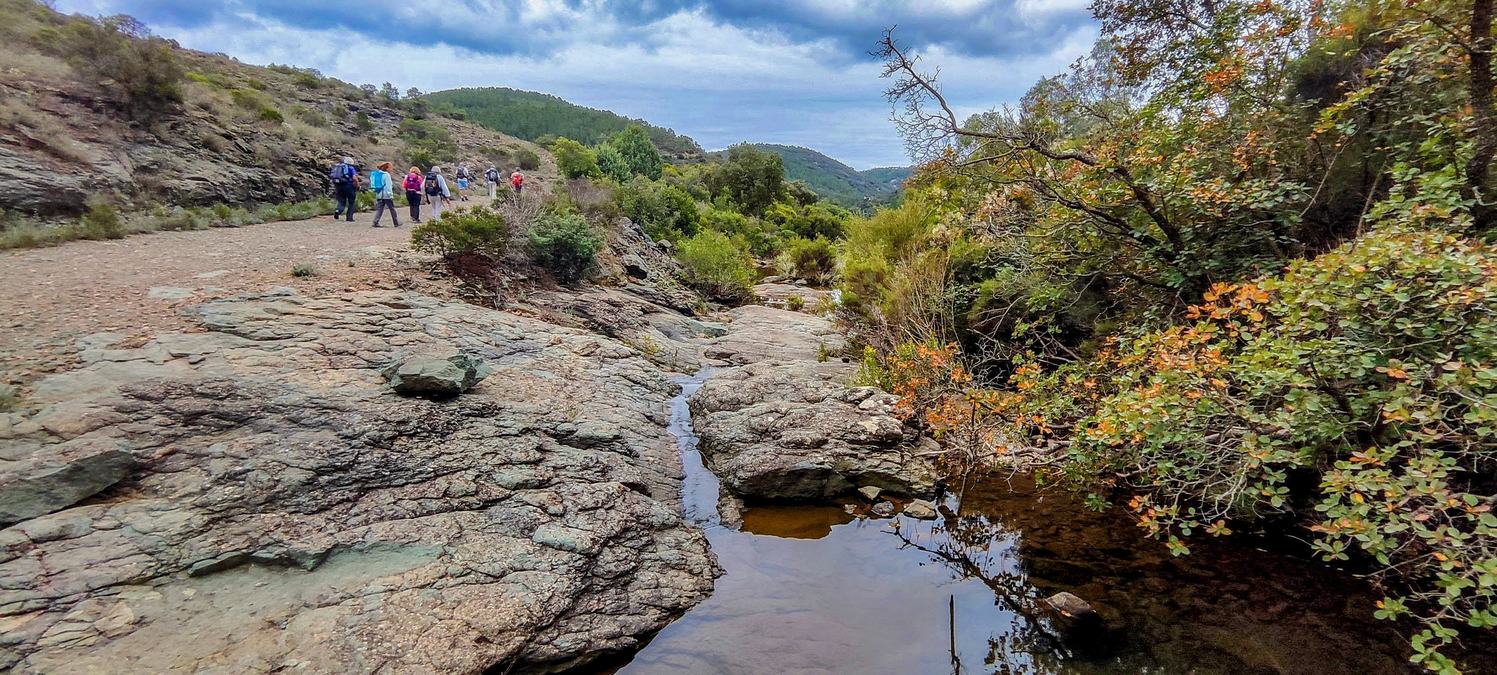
(920, 509)
(436, 377)
(883, 509)
(1071, 606)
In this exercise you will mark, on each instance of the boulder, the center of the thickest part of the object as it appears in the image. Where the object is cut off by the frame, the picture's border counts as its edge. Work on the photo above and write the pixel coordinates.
(50, 485)
(920, 509)
(870, 492)
(883, 509)
(435, 377)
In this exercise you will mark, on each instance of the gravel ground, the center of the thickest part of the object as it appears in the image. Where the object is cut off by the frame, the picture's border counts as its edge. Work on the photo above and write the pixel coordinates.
(136, 286)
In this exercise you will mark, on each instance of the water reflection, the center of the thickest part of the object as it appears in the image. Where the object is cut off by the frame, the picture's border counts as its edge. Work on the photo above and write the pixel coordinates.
(816, 589)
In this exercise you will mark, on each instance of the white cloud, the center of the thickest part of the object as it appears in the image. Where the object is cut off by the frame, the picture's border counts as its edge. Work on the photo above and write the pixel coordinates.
(717, 82)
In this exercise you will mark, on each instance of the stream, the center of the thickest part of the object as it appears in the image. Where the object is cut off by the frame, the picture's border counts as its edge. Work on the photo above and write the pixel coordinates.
(831, 589)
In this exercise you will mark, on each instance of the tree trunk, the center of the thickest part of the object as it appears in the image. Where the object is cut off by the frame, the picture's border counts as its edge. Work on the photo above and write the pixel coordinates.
(1478, 169)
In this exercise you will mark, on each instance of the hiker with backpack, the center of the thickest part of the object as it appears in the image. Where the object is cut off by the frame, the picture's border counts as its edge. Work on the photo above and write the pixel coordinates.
(517, 180)
(345, 179)
(491, 178)
(436, 190)
(412, 187)
(383, 185)
(462, 182)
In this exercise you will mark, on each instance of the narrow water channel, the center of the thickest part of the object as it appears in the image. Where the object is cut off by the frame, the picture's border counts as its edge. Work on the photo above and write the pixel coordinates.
(821, 590)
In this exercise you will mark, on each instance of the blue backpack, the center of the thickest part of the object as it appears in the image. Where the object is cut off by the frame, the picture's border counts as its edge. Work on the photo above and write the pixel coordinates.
(341, 174)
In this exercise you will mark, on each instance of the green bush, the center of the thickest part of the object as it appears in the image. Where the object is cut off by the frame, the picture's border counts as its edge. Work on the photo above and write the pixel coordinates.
(303, 269)
(269, 114)
(1359, 390)
(102, 221)
(564, 244)
(479, 230)
(527, 159)
(612, 164)
(633, 144)
(142, 70)
(719, 267)
(573, 159)
(813, 259)
(762, 239)
(808, 221)
(663, 210)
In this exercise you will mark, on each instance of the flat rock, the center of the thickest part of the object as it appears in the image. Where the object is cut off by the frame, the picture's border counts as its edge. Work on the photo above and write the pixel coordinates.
(785, 424)
(870, 492)
(286, 513)
(52, 484)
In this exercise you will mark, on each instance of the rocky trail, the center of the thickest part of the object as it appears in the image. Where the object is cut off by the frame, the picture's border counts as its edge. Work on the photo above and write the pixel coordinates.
(134, 286)
(209, 473)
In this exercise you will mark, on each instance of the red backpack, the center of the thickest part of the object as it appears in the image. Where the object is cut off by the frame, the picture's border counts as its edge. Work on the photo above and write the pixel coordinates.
(412, 182)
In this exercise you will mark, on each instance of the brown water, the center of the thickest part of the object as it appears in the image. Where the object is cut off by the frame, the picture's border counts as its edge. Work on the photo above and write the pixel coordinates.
(820, 590)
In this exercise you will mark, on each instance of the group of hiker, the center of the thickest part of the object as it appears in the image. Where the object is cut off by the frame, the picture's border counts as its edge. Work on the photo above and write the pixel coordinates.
(429, 188)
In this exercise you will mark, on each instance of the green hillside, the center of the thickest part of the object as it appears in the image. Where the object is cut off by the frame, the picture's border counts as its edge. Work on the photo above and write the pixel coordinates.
(835, 181)
(530, 115)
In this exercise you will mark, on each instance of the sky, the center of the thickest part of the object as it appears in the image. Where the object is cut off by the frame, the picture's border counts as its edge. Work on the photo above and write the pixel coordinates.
(796, 72)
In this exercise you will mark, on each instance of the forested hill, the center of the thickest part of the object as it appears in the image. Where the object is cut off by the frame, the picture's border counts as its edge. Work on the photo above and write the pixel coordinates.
(835, 181)
(530, 115)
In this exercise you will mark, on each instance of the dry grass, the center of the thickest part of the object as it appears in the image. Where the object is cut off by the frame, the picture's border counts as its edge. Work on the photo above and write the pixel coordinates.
(42, 128)
(23, 64)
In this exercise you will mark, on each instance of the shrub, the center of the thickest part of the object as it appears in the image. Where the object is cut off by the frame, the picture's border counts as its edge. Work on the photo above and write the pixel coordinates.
(303, 269)
(527, 159)
(812, 259)
(269, 114)
(564, 244)
(1363, 382)
(479, 230)
(639, 154)
(796, 303)
(362, 122)
(612, 164)
(762, 239)
(594, 200)
(142, 70)
(809, 221)
(102, 221)
(663, 210)
(573, 159)
(719, 267)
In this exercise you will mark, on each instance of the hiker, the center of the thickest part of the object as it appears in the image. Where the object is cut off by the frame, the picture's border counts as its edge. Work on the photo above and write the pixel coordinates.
(383, 185)
(436, 190)
(491, 177)
(462, 182)
(517, 180)
(412, 187)
(345, 178)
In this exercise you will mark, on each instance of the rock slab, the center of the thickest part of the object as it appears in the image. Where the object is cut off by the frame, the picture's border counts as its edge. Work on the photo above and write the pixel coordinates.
(287, 512)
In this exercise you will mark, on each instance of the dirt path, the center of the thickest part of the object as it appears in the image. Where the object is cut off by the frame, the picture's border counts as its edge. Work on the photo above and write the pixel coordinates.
(135, 286)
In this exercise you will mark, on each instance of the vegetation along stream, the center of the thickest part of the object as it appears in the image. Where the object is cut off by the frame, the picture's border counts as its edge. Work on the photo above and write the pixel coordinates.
(831, 588)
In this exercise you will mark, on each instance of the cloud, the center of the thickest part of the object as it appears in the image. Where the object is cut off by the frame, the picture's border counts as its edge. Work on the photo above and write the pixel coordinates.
(722, 72)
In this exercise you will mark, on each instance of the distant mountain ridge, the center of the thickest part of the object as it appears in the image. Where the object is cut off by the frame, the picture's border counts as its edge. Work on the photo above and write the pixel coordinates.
(533, 115)
(838, 182)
